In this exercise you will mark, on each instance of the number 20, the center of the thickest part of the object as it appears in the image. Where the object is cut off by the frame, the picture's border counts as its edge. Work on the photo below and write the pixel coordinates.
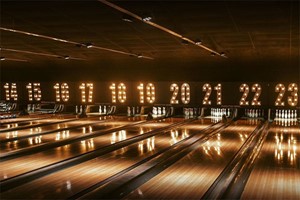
(185, 93)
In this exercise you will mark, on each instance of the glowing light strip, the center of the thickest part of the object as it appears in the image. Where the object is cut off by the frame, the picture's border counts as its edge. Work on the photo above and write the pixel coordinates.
(74, 43)
(39, 54)
(13, 59)
(158, 26)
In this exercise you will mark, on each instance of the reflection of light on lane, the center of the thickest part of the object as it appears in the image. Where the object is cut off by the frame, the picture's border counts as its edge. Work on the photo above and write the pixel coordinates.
(38, 129)
(62, 135)
(243, 136)
(176, 137)
(13, 144)
(285, 146)
(35, 140)
(62, 150)
(212, 145)
(285, 122)
(12, 134)
(150, 144)
(215, 119)
(87, 144)
(253, 121)
(12, 125)
(69, 185)
(118, 136)
(84, 129)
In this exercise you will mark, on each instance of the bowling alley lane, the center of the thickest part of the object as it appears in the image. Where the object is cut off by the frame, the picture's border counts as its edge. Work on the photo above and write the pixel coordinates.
(57, 135)
(23, 118)
(191, 176)
(40, 129)
(26, 163)
(41, 120)
(276, 173)
(68, 182)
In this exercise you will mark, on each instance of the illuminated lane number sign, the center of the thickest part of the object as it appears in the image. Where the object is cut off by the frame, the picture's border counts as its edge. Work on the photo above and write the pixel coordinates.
(185, 93)
(245, 89)
(208, 89)
(150, 93)
(121, 94)
(61, 92)
(34, 91)
(11, 91)
(86, 96)
(292, 100)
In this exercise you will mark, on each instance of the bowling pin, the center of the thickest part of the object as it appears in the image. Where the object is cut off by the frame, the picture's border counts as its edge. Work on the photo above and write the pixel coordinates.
(159, 111)
(128, 111)
(80, 110)
(191, 111)
(285, 114)
(279, 114)
(104, 109)
(100, 109)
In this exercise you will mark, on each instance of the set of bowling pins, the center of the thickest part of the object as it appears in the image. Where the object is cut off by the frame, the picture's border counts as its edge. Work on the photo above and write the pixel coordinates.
(253, 113)
(132, 110)
(219, 112)
(159, 110)
(6, 107)
(31, 107)
(190, 112)
(79, 109)
(104, 109)
(286, 114)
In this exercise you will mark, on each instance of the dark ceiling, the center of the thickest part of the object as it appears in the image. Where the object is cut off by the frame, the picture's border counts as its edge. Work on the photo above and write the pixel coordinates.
(260, 38)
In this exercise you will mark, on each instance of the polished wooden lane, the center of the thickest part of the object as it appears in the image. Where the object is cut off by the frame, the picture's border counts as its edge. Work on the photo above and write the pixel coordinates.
(26, 163)
(190, 177)
(276, 174)
(72, 180)
(55, 136)
(39, 120)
